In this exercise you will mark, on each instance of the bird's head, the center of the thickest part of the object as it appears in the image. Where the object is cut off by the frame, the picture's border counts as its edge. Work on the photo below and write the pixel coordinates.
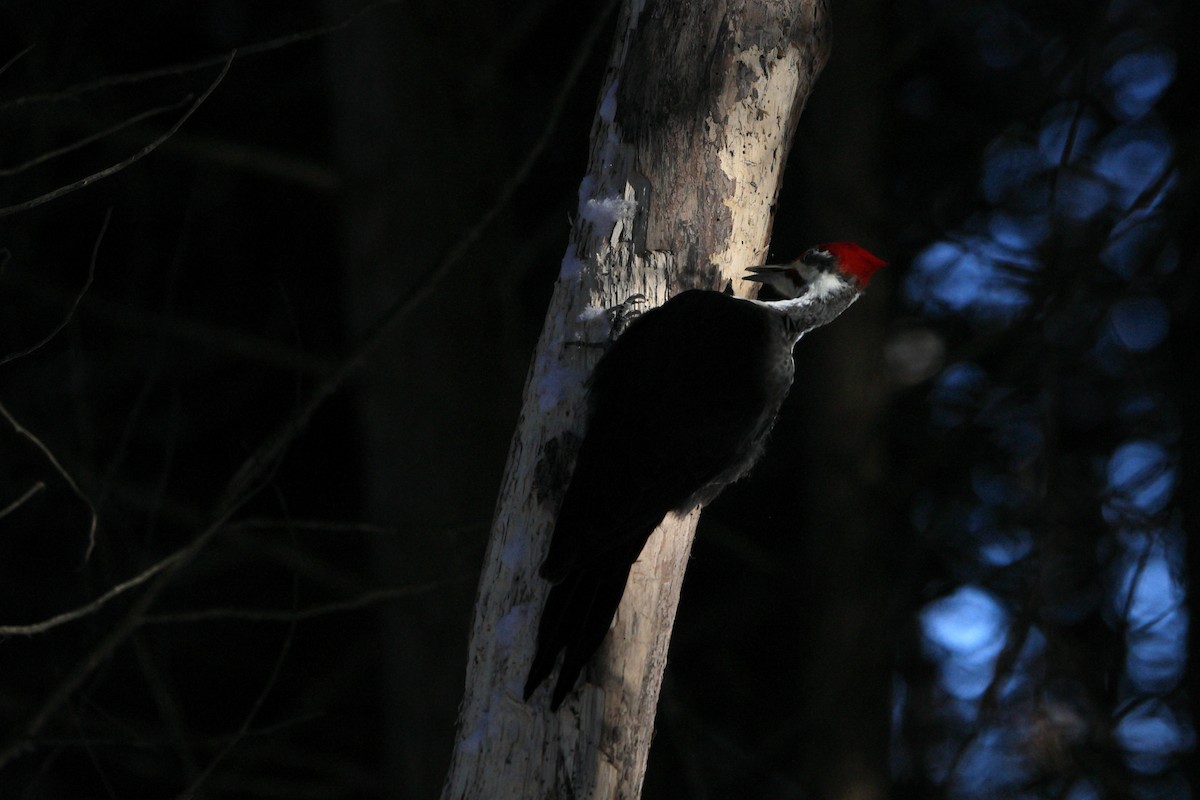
(821, 267)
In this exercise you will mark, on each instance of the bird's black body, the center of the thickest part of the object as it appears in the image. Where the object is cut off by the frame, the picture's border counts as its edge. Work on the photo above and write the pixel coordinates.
(679, 406)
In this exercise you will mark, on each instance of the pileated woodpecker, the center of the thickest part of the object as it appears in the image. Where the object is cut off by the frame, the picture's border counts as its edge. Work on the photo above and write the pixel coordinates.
(678, 407)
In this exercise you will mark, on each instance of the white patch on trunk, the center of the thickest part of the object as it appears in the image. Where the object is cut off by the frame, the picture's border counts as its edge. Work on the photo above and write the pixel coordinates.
(571, 267)
(512, 624)
(515, 551)
(556, 382)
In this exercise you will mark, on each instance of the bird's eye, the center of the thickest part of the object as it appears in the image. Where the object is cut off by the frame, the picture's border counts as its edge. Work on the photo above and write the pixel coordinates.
(818, 257)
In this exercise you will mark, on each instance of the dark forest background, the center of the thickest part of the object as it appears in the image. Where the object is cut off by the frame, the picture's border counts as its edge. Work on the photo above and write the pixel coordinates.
(970, 550)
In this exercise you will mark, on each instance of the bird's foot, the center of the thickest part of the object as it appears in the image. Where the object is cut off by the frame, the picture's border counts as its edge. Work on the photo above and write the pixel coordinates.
(619, 318)
(623, 315)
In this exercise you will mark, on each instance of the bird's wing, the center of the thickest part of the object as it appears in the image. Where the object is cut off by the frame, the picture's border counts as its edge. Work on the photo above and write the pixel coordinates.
(672, 404)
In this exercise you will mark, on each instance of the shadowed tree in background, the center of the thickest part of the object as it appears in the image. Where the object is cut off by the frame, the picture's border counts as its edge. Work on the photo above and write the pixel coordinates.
(1044, 456)
(1020, 530)
(1039, 166)
(402, 204)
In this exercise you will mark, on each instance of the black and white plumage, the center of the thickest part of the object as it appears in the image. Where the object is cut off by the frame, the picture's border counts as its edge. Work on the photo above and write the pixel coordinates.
(679, 407)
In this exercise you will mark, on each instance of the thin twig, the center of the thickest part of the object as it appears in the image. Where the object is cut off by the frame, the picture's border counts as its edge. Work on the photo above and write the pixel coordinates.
(15, 59)
(66, 320)
(22, 500)
(326, 526)
(248, 721)
(22, 431)
(425, 285)
(168, 707)
(156, 741)
(95, 605)
(183, 68)
(254, 615)
(1073, 132)
(989, 703)
(241, 487)
(271, 523)
(1134, 581)
(13, 356)
(93, 137)
(22, 742)
(193, 331)
(267, 162)
(138, 156)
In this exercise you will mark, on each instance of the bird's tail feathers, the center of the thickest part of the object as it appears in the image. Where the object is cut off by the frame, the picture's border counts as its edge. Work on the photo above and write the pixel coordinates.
(578, 613)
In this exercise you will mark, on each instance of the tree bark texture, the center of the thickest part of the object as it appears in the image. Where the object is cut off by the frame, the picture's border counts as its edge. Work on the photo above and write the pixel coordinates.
(695, 119)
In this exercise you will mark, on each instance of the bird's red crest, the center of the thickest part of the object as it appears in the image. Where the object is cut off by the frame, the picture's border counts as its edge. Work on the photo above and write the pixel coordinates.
(855, 260)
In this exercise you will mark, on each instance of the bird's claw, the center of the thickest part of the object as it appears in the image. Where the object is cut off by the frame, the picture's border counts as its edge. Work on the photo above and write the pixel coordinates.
(620, 316)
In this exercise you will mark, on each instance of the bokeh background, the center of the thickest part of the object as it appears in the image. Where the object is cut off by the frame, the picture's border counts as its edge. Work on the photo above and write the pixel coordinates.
(965, 568)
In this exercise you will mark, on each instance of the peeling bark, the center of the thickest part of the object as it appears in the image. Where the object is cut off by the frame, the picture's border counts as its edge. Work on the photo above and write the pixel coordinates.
(695, 119)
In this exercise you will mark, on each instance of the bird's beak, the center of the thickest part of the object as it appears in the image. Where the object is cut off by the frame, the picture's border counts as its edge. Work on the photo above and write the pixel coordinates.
(765, 273)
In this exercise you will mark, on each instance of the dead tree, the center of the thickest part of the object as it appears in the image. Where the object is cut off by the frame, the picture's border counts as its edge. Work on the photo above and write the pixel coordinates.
(694, 124)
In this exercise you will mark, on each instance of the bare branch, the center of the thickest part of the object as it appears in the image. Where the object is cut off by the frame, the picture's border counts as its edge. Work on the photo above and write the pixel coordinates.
(15, 59)
(71, 311)
(95, 605)
(248, 720)
(94, 137)
(268, 523)
(22, 431)
(404, 306)
(268, 162)
(325, 526)
(38, 345)
(191, 66)
(22, 500)
(20, 741)
(1072, 132)
(115, 168)
(211, 336)
(241, 487)
(168, 708)
(353, 604)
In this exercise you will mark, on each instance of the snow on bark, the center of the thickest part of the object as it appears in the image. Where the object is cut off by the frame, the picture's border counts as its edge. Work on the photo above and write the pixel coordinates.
(693, 125)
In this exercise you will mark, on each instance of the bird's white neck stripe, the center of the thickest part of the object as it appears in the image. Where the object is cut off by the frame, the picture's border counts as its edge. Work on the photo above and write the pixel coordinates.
(824, 283)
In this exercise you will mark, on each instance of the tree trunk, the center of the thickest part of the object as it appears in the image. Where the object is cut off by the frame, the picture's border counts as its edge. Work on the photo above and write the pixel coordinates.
(695, 120)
